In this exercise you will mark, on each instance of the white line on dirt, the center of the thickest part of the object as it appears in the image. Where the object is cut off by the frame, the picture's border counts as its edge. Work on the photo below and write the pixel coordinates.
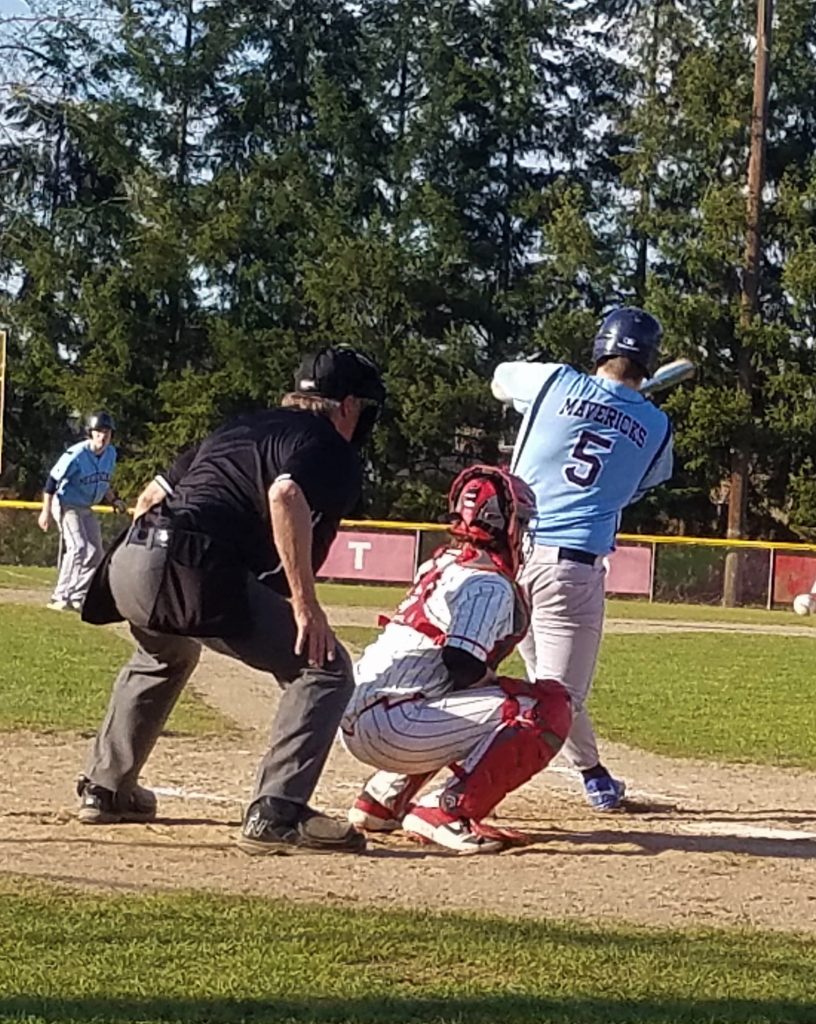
(711, 827)
(729, 828)
(190, 794)
(639, 794)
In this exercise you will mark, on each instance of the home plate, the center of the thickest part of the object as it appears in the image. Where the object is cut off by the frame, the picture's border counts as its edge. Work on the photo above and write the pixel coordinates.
(728, 828)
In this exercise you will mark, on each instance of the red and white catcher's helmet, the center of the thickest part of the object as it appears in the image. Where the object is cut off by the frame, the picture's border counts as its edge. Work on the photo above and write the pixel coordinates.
(491, 508)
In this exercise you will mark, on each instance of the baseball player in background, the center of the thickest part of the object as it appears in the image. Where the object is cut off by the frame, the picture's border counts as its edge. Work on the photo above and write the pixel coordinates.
(427, 695)
(80, 478)
(588, 446)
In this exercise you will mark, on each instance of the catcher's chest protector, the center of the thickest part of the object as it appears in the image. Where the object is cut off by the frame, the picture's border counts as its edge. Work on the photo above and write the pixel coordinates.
(413, 611)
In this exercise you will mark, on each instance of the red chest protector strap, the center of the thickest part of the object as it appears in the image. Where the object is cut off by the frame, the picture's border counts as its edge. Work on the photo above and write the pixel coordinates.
(413, 610)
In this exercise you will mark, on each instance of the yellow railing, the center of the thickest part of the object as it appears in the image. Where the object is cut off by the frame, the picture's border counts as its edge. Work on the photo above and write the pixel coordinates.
(631, 538)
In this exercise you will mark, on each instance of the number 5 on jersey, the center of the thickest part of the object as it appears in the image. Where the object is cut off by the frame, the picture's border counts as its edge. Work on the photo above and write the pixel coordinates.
(589, 462)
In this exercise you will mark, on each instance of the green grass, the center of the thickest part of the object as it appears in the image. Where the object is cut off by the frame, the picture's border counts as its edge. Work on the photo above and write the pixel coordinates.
(733, 698)
(25, 577)
(346, 594)
(730, 698)
(387, 597)
(618, 608)
(67, 956)
(56, 674)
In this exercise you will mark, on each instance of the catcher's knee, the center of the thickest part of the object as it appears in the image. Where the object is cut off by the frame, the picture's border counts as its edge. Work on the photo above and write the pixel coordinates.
(528, 739)
(551, 710)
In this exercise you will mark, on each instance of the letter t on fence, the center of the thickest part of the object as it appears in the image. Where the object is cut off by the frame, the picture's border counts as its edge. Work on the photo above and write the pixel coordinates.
(359, 547)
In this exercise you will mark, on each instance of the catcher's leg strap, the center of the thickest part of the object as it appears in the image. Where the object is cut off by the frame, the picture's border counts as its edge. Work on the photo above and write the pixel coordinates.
(536, 719)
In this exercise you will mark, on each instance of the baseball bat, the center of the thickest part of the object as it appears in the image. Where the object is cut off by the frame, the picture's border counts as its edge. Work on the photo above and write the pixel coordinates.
(668, 375)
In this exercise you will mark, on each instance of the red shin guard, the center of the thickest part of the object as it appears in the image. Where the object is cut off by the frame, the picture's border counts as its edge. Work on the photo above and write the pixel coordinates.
(521, 746)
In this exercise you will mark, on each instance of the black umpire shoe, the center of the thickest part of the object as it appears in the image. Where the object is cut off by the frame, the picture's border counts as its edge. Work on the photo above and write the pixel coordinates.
(274, 826)
(100, 806)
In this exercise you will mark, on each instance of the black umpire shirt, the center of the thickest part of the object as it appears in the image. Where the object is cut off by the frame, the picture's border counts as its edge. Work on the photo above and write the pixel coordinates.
(221, 487)
(215, 526)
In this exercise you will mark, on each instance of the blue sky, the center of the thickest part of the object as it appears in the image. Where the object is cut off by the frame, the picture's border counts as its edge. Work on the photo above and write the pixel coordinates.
(14, 7)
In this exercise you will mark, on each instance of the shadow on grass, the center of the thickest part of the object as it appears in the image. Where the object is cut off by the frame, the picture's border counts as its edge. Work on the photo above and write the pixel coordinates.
(396, 1010)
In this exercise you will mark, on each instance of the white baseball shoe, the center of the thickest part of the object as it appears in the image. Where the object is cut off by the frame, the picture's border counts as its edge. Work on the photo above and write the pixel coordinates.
(433, 825)
(59, 606)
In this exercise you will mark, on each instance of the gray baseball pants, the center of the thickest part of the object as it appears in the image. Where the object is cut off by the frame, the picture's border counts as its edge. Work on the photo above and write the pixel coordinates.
(146, 690)
(567, 604)
(81, 551)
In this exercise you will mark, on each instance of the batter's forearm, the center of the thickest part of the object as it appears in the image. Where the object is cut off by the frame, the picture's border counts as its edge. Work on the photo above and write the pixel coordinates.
(291, 520)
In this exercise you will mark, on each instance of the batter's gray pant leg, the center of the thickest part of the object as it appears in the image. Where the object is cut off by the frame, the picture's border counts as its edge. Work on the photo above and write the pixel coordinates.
(311, 704)
(144, 694)
(82, 552)
(567, 602)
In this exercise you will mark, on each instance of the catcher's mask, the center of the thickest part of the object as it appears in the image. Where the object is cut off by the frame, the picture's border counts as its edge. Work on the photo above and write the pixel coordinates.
(491, 508)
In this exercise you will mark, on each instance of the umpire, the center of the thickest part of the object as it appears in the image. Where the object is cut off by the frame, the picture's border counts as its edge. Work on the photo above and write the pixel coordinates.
(225, 555)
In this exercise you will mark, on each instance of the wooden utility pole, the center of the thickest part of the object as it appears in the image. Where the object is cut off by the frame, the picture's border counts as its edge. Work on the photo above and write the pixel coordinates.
(2, 389)
(740, 457)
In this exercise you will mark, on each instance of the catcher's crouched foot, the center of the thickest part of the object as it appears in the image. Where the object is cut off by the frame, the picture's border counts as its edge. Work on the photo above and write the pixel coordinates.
(268, 831)
(369, 815)
(432, 824)
(101, 806)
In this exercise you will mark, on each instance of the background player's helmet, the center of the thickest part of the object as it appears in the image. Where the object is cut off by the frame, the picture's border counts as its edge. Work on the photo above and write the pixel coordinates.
(491, 508)
(100, 420)
(337, 372)
(629, 332)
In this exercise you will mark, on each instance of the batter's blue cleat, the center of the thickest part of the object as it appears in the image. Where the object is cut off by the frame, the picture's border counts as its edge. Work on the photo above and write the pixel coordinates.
(605, 793)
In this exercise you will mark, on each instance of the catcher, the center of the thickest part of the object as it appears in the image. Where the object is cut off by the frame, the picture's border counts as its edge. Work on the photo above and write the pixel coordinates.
(427, 694)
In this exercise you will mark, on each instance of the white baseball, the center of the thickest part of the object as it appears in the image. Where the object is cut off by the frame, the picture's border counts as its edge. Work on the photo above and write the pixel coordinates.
(803, 604)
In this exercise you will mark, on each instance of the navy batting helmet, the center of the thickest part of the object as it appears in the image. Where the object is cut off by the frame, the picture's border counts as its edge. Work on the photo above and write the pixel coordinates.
(629, 332)
(100, 420)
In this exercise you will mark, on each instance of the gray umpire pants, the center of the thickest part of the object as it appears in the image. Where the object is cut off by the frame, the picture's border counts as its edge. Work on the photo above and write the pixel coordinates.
(81, 551)
(567, 604)
(147, 688)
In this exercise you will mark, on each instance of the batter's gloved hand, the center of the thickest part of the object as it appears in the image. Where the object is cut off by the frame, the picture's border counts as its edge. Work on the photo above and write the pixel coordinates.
(118, 505)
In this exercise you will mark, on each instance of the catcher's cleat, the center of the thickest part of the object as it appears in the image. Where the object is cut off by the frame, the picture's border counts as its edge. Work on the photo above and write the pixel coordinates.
(266, 832)
(369, 815)
(605, 793)
(100, 806)
(432, 824)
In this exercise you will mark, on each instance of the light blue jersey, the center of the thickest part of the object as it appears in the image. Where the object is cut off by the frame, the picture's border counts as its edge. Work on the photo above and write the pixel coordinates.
(83, 478)
(587, 446)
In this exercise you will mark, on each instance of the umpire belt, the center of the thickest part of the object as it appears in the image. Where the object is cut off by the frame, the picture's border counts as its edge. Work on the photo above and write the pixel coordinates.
(148, 536)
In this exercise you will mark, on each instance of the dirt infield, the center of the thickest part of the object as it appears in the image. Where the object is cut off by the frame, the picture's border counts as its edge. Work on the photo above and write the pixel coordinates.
(700, 844)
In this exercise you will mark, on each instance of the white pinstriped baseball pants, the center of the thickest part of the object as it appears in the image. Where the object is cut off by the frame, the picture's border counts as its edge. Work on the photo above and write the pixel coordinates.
(567, 604)
(418, 737)
(81, 552)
